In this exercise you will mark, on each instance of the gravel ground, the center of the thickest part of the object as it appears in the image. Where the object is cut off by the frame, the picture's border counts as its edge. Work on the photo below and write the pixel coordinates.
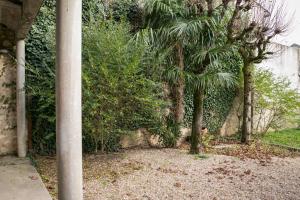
(171, 174)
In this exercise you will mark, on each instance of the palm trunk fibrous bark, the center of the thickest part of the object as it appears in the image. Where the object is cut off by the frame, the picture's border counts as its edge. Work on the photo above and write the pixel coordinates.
(179, 88)
(197, 120)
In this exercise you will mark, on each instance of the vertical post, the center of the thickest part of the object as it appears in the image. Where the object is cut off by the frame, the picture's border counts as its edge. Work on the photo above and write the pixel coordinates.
(21, 108)
(68, 99)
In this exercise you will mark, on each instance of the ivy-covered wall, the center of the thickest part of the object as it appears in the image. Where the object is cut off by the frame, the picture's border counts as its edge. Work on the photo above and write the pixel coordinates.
(218, 102)
(7, 105)
(217, 105)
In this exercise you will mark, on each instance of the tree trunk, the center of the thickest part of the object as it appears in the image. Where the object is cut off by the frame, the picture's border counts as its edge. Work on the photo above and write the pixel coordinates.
(197, 120)
(102, 143)
(29, 122)
(179, 88)
(252, 109)
(259, 120)
(246, 127)
(96, 145)
(106, 5)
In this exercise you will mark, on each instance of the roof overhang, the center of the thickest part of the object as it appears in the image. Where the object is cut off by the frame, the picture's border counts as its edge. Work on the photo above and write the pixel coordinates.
(16, 18)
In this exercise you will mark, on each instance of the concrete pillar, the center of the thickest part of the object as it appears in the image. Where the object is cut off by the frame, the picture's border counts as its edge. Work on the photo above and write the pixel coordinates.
(68, 99)
(21, 106)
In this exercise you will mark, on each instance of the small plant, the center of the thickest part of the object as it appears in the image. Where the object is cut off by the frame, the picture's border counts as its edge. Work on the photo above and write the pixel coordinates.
(206, 140)
(201, 156)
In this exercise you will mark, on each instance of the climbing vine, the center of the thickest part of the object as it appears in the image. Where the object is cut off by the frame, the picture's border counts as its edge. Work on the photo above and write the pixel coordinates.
(8, 91)
(218, 101)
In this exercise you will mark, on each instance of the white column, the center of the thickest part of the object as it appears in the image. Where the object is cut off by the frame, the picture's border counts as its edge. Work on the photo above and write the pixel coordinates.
(68, 99)
(21, 106)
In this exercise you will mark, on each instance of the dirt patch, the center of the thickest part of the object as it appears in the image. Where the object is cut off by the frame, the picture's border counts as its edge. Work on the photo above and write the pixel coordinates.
(255, 150)
(105, 168)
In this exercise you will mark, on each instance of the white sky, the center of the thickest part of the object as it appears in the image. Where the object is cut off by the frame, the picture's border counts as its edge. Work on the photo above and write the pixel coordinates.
(293, 35)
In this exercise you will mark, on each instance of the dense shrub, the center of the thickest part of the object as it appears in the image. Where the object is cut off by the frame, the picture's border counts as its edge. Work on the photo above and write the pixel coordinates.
(40, 80)
(117, 95)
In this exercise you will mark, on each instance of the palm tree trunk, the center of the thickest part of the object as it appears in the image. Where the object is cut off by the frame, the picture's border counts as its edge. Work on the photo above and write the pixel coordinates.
(246, 127)
(179, 88)
(197, 120)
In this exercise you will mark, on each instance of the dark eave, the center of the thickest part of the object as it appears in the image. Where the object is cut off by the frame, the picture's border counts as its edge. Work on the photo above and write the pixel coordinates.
(16, 18)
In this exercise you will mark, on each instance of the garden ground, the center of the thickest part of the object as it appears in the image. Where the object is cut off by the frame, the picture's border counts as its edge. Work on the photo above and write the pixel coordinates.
(288, 137)
(173, 174)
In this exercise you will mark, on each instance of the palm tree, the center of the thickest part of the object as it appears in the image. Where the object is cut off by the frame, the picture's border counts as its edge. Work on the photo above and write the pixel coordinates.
(160, 16)
(206, 72)
(199, 41)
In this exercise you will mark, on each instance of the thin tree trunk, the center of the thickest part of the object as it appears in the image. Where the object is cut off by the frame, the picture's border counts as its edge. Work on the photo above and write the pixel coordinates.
(197, 120)
(96, 145)
(246, 127)
(252, 109)
(179, 88)
(259, 120)
(102, 143)
(29, 122)
(106, 7)
(102, 149)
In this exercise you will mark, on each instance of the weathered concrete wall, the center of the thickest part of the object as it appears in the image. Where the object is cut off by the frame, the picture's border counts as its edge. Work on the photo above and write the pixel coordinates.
(8, 142)
(140, 138)
(233, 120)
(285, 63)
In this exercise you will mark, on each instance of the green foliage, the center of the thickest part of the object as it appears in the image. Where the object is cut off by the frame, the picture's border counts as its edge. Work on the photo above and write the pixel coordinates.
(119, 94)
(206, 140)
(8, 94)
(118, 98)
(277, 104)
(170, 131)
(131, 10)
(121, 78)
(40, 79)
(201, 156)
(217, 105)
(218, 100)
(209, 62)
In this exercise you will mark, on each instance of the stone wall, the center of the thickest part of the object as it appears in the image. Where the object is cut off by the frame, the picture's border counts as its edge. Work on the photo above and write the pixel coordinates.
(7, 105)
